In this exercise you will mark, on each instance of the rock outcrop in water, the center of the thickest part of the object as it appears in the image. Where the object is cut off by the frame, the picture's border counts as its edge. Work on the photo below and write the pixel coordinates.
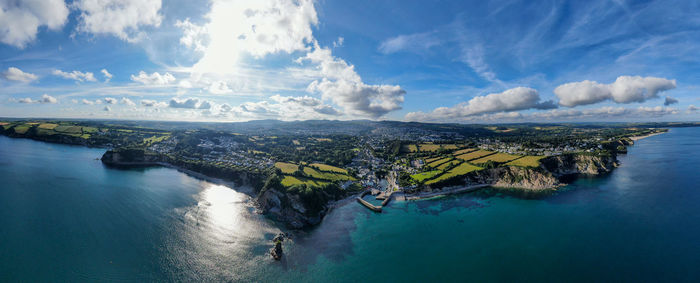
(276, 251)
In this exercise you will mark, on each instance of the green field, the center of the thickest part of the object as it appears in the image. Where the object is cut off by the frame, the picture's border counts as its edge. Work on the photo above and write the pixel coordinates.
(48, 126)
(324, 167)
(474, 155)
(448, 164)
(289, 181)
(316, 174)
(153, 139)
(287, 168)
(89, 130)
(69, 129)
(526, 161)
(21, 129)
(462, 169)
(498, 157)
(463, 151)
(438, 162)
(428, 147)
(425, 175)
(429, 160)
(410, 148)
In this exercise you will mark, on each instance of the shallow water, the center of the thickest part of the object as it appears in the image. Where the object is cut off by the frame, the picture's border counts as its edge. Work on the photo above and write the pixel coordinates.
(65, 217)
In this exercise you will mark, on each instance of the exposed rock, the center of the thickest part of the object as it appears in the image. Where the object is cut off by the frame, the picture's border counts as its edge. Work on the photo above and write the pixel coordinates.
(276, 251)
(514, 177)
(568, 164)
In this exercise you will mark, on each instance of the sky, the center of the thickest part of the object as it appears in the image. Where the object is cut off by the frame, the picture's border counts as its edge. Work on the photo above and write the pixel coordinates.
(428, 61)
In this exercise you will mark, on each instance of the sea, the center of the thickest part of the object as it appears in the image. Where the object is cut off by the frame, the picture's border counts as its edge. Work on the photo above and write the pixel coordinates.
(65, 217)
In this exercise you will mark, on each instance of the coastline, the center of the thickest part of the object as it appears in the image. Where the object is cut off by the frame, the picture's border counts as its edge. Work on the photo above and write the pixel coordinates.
(636, 138)
(421, 196)
(231, 185)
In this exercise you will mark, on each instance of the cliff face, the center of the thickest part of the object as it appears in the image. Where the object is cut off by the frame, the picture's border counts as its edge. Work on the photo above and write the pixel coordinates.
(578, 164)
(547, 176)
(288, 208)
(129, 157)
(514, 177)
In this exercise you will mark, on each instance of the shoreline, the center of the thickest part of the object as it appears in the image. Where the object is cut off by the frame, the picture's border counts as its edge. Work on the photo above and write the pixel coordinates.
(636, 138)
(217, 181)
(421, 196)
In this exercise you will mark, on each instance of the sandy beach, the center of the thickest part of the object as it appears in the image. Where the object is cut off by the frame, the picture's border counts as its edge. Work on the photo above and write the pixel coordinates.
(641, 137)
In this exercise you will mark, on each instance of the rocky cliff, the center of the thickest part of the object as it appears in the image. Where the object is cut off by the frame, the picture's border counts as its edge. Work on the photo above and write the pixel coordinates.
(289, 209)
(548, 175)
(585, 164)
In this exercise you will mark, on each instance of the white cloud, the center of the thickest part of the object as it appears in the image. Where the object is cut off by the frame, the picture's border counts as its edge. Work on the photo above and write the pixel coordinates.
(339, 42)
(219, 87)
(110, 100)
(190, 103)
(121, 18)
(45, 99)
(342, 85)
(417, 42)
(515, 99)
(106, 74)
(297, 106)
(26, 100)
(48, 99)
(153, 79)
(253, 28)
(670, 100)
(127, 101)
(107, 109)
(15, 74)
(75, 75)
(605, 113)
(625, 89)
(193, 36)
(693, 108)
(87, 102)
(20, 20)
(153, 103)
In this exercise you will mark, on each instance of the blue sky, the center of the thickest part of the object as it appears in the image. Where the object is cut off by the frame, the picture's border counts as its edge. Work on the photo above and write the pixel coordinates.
(439, 61)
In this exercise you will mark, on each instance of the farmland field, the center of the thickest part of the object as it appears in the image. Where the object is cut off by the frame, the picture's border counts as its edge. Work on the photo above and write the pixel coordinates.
(448, 164)
(526, 161)
(69, 129)
(428, 147)
(324, 167)
(498, 157)
(48, 126)
(425, 175)
(438, 162)
(474, 155)
(462, 169)
(21, 129)
(326, 175)
(410, 148)
(449, 146)
(289, 181)
(463, 151)
(89, 129)
(287, 168)
(429, 160)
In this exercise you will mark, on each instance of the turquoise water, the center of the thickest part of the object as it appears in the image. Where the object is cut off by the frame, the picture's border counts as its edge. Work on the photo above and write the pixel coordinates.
(65, 217)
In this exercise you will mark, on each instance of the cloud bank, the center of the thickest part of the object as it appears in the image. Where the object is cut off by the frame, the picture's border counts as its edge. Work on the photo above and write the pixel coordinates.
(625, 89)
(15, 74)
(20, 20)
(515, 99)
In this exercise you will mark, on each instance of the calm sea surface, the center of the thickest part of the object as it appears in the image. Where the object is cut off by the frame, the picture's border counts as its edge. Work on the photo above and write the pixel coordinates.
(66, 217)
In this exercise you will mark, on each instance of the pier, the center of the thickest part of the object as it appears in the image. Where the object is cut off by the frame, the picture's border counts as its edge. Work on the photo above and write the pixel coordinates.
(367, 204)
